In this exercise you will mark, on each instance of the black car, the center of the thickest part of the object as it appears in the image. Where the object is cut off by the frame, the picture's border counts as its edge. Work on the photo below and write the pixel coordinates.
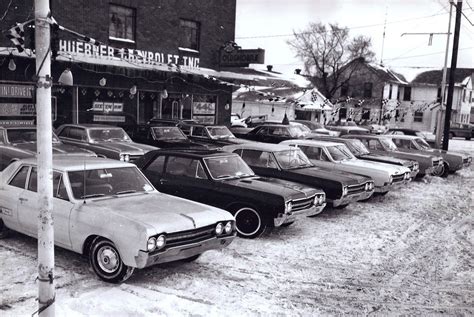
(217, 135)
(427, 136)
(285, 162)
(277, 132)
(18, 142)
(164, 137)
(362, 152)
(224, 180)
(168, 122)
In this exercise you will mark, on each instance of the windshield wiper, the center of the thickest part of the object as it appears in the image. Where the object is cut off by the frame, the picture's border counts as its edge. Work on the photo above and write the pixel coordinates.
(224, 176)
(92, 196)
(129, 191)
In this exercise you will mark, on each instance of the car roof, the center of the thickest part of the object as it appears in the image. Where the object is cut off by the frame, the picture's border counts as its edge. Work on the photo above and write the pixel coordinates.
(365, 136)
(194, 153)
(75, 163)
(90, 125)
(311, 142)
(260, 146)
(403, 130)
(403, 136)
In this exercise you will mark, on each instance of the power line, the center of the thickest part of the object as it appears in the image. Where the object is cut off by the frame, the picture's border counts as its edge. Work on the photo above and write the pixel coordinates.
(421, 55)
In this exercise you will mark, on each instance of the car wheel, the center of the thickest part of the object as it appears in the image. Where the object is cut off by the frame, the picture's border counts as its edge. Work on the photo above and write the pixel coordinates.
(468, 138)
(341, 206)
(191, 258)
(383, 193)
(286, 224)
(439, 172)
(249, 223)
(445, 170)
(106, 262)
(4, 231)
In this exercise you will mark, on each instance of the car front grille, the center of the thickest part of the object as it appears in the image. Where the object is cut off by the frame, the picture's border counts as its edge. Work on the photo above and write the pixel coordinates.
(303, 203)
(355, 189)
(436, 162)
(190, 236)
(398, 178)
(467, 160)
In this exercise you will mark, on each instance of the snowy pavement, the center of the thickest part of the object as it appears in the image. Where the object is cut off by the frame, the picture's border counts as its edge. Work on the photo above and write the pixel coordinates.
(409, 252)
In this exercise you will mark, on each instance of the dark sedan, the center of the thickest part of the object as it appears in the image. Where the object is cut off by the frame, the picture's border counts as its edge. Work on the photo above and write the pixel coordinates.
(285, 162)
(105, 141)
(382, 144)
(362, 152)
(217, 135)
(277, 132)
(224, 180)
(164, 137)
(18, 142)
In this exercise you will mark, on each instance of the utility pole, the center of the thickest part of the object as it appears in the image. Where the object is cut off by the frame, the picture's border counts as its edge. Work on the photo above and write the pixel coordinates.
(46, 291)
(454, 59)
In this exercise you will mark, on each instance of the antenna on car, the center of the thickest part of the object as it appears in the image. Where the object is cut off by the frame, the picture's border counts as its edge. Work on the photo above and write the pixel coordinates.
(84, 181)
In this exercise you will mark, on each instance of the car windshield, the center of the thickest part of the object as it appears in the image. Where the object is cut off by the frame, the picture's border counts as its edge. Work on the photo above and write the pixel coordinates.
(388, 144)
(291, 159)
(219, 132)
(223, 167)
(108, 134)
(299, 130)
(340, 152)
(358, 147)
(107, 182)
(18, 136)
(421, 144)
(168, 133)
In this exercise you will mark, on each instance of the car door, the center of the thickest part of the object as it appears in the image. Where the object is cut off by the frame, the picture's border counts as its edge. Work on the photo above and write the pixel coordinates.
(28, 211)
(9, 205)
(319, 157)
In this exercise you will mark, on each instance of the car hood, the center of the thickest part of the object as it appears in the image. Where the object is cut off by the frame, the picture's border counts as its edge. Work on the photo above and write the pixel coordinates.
(126, 147)
(287, 189)
(162, 212)
(389, 168)
(448, 153)
(384, 158)
(58, 148)
(343, 177)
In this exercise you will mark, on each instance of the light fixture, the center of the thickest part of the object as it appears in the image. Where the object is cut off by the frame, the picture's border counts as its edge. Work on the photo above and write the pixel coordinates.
(164, 94)
(103, 82)
(11, 63)
(66, 78)
(133, 90)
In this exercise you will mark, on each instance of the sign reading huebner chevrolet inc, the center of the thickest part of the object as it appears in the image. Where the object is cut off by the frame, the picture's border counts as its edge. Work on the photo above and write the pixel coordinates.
(241, 58)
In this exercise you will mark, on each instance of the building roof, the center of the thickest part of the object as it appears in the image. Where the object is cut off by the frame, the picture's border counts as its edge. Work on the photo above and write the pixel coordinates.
(434, 77)
(387, 74)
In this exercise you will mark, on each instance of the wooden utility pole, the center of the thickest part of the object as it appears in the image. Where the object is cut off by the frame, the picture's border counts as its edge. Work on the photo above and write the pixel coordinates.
(46, 291)
(452, 71)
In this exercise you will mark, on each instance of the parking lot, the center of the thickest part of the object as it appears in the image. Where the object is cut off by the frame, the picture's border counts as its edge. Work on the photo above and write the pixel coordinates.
(409, 252)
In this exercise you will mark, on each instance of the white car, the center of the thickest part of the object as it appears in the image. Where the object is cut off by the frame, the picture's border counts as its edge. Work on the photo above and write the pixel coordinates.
(336, 156)
(108, 211)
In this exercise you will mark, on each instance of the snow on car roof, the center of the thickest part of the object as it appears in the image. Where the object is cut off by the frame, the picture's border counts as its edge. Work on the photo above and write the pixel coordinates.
(74, 163)
(402, 136)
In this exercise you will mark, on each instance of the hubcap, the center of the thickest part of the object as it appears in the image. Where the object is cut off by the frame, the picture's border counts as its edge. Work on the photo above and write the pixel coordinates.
(108, 259)
(248, 221)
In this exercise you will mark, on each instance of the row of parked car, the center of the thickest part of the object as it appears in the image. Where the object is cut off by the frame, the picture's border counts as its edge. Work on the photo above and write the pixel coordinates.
(184, 188)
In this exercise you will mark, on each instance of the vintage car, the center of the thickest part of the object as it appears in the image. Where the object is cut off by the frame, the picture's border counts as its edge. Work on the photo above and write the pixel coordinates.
(461, 130)
(224, 180)
(427, 136)
(361, 152)
(382, 144)
(17, 142)
(108, 211)
(168, 122)
(317, 127)
(277, 132)
(164, 137)
(346, 127)
(105, 141)
(237, 121)
(216, 135)
(285, 162)
(336, 156)
(453, 161)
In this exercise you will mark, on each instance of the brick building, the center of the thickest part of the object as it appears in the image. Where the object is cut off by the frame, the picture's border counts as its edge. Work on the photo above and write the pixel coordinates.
(155, 58)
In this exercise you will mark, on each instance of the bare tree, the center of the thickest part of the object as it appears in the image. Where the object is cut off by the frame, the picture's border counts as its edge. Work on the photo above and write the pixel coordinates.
(326, 51)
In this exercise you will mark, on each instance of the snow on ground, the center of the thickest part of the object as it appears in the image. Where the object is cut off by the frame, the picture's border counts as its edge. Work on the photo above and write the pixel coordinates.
(407, 253)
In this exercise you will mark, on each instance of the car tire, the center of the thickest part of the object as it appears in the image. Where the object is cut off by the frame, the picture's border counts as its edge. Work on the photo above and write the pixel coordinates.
(341, 206)
(439, 173)
(445, 170)
(468, 138)
(192, 258)
(4, 231)
(287, 224)
(249, 223)
(106, 262)
(383, 193)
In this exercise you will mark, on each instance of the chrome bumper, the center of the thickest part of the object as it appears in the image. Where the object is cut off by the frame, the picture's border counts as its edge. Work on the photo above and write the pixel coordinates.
(290, 217)
(414, 173)
(145, 259)
(351, 198)
(388, 187)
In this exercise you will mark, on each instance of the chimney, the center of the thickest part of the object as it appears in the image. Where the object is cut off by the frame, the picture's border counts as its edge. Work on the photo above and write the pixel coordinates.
(298, 71)
(269, 68)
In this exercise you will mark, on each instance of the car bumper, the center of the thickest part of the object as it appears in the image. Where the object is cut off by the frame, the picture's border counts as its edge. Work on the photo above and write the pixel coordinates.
(388, 187)
(287, 218)
(414, 173)
(145, 259)
(352, 198)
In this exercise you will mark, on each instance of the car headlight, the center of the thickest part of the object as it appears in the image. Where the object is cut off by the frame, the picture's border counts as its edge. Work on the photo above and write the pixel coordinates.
(151, 244)
(407, 175)
(219, 229)
(372, 185)
(228, 227)
(125, 157)
(345, 191)
(322, 199)
(288, 207)
(367, 186)
(160, 241)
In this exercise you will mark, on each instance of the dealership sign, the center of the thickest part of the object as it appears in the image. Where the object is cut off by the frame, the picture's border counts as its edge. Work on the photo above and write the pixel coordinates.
(131, 55)
(16, 91)
(234, 56)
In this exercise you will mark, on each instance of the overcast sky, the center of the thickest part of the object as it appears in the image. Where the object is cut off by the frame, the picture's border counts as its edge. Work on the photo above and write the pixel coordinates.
(268, 24)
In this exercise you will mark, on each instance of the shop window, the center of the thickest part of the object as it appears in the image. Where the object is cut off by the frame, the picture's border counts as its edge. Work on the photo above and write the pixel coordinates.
(418, 116)
(122, 23)
(407, 94)
(368, 90)
(190, 34)
(366, 114)
(390, 89)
